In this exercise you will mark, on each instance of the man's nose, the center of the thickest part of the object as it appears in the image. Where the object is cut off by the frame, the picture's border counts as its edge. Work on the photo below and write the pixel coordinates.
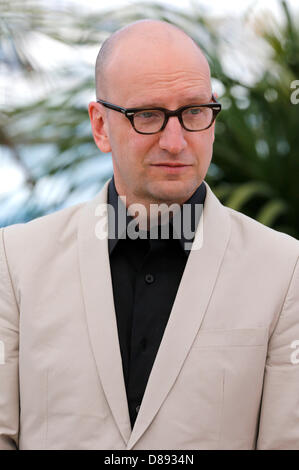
(172, 137)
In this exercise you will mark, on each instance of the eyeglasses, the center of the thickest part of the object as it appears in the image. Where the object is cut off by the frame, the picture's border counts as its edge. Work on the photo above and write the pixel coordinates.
(193, 118)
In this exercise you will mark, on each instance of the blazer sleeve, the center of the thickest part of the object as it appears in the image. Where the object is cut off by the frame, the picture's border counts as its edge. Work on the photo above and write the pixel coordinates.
(279, 416)
(9, 357)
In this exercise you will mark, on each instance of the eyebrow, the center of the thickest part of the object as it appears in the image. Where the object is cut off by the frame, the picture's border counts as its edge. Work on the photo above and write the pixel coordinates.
(190, 100)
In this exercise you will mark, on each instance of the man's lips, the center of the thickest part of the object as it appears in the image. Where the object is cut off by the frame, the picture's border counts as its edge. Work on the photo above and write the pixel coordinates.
(172, 164)
(171, 167)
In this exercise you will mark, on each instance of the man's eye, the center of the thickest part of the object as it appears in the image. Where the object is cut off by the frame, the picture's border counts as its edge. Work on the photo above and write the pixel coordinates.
(147, 114)
(194, 111)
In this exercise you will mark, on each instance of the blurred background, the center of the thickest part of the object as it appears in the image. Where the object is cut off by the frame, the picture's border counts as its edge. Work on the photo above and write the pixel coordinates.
(48, 159)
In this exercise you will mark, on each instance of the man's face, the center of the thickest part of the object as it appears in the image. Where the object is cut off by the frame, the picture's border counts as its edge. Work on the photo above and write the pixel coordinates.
(169, 79)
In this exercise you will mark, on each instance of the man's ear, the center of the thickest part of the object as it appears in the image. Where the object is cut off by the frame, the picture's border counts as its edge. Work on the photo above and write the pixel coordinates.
(97, 117)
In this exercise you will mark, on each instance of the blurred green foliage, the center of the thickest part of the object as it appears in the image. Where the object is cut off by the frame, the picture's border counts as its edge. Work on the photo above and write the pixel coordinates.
(255, 164)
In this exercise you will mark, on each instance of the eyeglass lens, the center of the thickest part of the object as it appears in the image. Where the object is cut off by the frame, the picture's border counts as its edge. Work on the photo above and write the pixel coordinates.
(196, 119)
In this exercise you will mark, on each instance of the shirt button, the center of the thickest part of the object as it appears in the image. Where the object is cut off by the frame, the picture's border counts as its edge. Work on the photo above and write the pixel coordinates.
(149, 278)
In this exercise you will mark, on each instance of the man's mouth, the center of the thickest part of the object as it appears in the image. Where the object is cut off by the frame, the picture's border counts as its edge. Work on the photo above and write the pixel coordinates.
(171, 167)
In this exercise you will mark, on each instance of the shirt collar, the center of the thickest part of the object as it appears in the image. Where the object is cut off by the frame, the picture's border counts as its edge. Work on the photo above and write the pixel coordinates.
(197, 198)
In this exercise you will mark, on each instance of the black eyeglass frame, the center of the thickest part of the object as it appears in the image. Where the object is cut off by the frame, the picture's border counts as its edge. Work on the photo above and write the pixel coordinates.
(129, 113)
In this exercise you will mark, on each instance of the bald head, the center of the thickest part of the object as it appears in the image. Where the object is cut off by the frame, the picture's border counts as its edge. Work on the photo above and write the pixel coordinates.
(143, 40)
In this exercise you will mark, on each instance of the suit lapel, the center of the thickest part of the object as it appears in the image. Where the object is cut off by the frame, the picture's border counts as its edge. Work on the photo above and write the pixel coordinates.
(100, 313)
(188, 311)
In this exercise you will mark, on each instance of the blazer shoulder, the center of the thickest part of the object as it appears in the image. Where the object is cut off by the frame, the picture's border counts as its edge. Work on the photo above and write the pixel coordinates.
(48, 224)
(257, 235)
(41, 237)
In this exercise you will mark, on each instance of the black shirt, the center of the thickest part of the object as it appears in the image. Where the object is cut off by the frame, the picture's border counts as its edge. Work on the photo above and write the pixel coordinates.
(146, 274)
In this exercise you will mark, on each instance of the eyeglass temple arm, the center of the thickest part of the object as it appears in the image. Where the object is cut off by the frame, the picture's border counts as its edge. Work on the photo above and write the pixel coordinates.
(111, 106)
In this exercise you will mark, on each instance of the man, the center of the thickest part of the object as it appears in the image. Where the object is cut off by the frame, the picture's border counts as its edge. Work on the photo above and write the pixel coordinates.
(124, 342)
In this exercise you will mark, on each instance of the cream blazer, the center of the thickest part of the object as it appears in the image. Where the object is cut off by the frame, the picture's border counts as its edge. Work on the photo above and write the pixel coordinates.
(226, 375)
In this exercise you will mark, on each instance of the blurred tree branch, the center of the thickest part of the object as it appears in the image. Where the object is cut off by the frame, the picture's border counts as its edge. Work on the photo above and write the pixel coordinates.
(255, 162)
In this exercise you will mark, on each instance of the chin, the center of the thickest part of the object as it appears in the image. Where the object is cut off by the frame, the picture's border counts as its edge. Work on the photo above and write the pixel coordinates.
(173, 190)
